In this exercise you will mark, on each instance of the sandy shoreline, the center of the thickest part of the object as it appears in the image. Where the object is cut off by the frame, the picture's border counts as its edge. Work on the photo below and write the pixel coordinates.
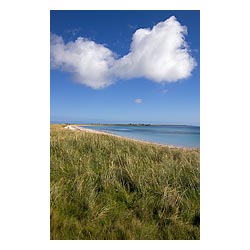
(76, 127)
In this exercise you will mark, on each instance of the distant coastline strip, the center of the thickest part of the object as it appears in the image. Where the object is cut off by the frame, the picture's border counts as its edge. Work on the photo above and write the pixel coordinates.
(75, 128)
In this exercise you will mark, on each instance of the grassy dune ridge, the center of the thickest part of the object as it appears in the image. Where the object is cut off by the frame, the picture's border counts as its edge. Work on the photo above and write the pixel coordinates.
(103, 187)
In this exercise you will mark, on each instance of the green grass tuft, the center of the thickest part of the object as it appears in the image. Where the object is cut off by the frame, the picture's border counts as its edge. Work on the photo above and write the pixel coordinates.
(103, 187)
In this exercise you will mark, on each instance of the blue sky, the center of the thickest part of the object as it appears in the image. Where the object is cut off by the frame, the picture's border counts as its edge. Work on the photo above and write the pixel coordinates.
(116, 100)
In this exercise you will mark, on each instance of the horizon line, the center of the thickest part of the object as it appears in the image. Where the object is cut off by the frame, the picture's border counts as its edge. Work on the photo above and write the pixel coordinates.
(121, 123)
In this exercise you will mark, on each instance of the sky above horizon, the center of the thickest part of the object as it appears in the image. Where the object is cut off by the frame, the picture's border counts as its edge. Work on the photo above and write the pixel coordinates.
(125, 67)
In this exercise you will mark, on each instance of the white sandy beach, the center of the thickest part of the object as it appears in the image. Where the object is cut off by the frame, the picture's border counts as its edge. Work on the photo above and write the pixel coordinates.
(92, 131)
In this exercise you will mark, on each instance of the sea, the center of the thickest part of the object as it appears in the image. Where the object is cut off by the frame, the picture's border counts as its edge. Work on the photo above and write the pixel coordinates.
(175, 135)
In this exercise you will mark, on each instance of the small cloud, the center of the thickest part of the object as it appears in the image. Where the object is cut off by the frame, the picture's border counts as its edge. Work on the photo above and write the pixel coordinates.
(164, 91)
(138, 100)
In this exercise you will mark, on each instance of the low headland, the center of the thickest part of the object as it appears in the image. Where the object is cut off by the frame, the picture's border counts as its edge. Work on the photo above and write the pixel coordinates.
(105, 186)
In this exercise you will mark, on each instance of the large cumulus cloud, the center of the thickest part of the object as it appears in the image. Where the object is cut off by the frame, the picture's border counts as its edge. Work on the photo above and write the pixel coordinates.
(160, 54)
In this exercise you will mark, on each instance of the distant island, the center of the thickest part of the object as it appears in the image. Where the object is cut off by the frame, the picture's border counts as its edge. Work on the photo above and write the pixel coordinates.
(122, 124)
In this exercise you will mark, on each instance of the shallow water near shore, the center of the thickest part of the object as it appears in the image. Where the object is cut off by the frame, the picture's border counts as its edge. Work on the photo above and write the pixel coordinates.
(176, 135)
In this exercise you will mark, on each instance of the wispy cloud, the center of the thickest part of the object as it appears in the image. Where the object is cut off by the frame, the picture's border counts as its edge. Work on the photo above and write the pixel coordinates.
(138, 100)
(132, 26)
(74, 31)
(164, 91)
(160, 54)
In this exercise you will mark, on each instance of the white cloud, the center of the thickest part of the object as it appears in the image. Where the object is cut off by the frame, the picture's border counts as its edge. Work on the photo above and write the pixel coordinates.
(89, 62)
(164, 91)
(138, 100)
(159, 54)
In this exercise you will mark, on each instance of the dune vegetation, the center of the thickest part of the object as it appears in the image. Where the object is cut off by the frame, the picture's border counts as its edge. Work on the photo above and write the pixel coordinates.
(103, 187)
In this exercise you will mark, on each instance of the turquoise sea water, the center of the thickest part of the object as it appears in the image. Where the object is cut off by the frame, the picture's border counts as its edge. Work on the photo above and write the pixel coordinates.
(176, 135)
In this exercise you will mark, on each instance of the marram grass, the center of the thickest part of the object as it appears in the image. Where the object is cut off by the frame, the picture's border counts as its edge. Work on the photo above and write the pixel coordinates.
(107, 188)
